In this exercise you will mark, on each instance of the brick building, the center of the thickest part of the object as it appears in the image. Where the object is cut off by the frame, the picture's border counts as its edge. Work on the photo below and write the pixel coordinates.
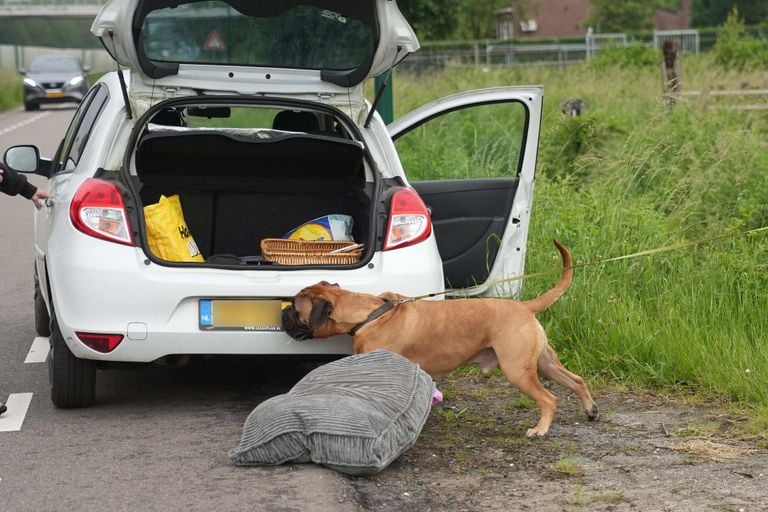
(567, 18)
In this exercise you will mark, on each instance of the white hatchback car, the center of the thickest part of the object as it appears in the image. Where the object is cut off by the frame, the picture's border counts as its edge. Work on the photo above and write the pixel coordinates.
(254, 114)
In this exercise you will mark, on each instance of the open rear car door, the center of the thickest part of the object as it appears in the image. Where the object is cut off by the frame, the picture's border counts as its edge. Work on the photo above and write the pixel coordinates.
(472, 158)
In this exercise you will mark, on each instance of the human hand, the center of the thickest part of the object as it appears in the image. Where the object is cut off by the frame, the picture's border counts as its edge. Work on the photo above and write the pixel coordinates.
(38, 198)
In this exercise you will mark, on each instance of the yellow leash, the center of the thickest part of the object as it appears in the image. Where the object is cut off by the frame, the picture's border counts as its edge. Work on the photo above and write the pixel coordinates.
(648, 252)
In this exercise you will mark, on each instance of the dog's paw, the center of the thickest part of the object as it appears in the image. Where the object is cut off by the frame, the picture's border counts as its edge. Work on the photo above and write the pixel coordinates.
(593, 414)
(535, 433)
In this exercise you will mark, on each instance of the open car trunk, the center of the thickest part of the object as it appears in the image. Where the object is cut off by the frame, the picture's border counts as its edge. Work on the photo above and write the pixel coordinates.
(240, 186)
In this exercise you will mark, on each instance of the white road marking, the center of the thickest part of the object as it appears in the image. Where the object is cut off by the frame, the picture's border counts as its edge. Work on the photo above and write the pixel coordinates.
(12, 419)
(25, 122)
(38, 353)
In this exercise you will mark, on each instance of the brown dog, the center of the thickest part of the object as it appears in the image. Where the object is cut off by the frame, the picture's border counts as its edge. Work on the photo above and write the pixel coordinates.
(442, 335)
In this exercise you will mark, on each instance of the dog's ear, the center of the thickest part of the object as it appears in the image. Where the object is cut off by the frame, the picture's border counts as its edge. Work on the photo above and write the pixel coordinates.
(303, 305)
(326, 283)
(321, 310)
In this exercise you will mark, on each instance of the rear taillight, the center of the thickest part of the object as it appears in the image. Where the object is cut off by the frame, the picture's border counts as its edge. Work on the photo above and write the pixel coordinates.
(98, 210)
(100, 342)
(409, 220)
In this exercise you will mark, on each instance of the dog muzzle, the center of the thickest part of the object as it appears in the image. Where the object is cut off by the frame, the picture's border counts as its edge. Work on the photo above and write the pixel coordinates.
(294, 328)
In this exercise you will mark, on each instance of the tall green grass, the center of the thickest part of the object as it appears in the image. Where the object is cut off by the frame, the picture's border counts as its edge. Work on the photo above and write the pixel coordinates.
(10, 89)
(632, 174)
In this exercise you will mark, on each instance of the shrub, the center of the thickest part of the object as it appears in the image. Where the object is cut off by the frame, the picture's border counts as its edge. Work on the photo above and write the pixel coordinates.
(736, 49)
(634, 55)
(10, 89)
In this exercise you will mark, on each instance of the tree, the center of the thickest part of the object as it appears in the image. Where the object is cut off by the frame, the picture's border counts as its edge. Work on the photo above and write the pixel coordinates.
(623, 15)
(477, 18)
(711, 13)
(737, 49)
(445, 19)
(431, 19)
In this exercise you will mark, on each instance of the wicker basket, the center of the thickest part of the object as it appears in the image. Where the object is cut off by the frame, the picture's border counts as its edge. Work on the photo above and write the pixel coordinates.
(309, 252)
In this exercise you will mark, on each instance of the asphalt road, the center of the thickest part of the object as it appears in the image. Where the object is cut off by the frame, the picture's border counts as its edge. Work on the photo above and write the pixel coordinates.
(157, 437)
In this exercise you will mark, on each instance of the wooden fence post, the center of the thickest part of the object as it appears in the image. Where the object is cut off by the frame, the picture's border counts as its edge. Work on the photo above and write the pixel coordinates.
(671, 71)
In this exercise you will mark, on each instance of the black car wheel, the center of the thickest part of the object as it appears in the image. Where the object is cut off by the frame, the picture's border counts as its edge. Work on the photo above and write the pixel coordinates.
(73, 380)
(31, 106)
(42, 319)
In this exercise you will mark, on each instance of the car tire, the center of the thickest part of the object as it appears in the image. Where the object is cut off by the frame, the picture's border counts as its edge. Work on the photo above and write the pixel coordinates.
(42, 319)
(73, 380)
(29, 107)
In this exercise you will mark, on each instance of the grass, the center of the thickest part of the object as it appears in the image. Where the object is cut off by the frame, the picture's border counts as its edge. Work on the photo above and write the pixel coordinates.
(632, 174)
(10, 89)
(567, 466)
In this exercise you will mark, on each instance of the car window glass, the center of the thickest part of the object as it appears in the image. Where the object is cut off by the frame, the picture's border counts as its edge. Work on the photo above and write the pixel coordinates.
(481, 141)
(66, 142)
(250, 118)
(270, 34)
(80, 135)
(84, 131)
(235, 117)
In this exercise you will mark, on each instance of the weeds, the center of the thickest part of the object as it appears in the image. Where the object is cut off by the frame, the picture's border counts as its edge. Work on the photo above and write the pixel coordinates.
(568, 466)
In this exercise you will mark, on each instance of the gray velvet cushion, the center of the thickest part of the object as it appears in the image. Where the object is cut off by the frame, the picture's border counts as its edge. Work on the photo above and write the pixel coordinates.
(355, 415)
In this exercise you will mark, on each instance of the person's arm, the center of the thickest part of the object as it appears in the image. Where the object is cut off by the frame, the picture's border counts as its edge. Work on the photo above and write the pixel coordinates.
(13, 183)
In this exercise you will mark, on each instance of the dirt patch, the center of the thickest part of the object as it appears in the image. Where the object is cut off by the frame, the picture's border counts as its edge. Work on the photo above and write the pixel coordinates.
(646, 453)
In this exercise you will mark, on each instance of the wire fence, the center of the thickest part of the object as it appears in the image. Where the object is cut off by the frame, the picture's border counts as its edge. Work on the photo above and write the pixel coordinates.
(490, 54)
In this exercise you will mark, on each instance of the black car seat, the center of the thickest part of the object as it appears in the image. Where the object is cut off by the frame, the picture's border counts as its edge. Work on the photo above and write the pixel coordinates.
(296, 121)
(170, 117)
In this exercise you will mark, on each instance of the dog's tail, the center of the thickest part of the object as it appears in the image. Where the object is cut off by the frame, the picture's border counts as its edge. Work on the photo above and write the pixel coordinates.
(546, 299)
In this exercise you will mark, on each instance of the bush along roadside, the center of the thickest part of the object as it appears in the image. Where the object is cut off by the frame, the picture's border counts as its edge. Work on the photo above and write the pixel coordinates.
(10, 90)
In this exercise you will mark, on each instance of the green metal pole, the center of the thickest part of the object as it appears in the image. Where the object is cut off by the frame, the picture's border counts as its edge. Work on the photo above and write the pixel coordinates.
(385, 107)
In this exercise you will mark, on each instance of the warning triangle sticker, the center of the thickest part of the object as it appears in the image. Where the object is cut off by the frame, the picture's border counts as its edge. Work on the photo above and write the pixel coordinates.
(214, 43)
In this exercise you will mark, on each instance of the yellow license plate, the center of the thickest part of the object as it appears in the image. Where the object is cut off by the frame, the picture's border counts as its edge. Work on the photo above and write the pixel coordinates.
(241, 314)
(55, 94)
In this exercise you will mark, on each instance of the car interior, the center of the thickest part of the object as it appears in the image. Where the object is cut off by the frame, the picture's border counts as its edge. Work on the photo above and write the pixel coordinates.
(239, 186)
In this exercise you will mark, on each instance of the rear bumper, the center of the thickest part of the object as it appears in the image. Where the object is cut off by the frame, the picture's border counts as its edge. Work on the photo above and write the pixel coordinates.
(101, 287)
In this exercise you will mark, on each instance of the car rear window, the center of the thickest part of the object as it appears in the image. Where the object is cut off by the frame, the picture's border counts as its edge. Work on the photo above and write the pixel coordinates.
(283, 35)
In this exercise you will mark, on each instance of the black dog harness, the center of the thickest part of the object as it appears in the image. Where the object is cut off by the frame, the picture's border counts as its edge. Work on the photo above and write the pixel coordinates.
(388, 305)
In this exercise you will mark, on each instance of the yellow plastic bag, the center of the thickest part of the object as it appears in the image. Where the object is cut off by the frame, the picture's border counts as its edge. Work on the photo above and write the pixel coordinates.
(167, 232)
